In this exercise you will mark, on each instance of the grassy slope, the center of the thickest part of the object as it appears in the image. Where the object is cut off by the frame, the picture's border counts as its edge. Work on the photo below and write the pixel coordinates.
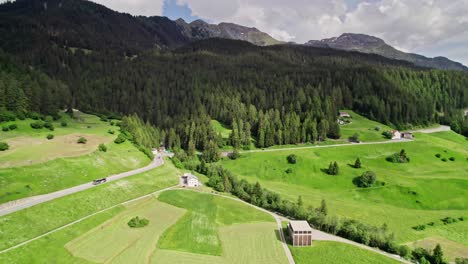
(21, 182)
(364, 127)
(393, 204)
(218, 127)
(36, 220)
(336, 253)
(197, 231)
(129, 244)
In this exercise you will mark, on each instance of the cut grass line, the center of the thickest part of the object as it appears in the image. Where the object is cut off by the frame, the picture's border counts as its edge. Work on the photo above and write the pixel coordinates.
(83, 218)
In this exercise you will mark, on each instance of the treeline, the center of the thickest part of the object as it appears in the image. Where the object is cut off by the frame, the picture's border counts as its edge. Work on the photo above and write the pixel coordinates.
(223, 180)
(25, 92)
(276, 95)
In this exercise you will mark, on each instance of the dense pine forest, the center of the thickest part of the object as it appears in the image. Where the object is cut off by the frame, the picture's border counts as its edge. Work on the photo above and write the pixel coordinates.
(281, 94)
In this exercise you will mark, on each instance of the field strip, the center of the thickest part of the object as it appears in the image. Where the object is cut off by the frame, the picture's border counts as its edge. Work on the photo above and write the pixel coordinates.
(84, 218)
(329, 146)
(13, 206)
(317, 234)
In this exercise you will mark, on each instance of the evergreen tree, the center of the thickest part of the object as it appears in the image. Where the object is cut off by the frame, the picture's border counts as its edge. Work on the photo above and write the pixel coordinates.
(357, 163)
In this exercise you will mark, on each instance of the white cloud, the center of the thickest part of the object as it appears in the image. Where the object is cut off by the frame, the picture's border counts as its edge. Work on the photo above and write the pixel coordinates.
(407, 24)
(135, 7)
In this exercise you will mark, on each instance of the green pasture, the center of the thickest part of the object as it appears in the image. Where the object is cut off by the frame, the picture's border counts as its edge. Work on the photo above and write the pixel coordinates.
(337, 253)
(422, 191)
(197, 230)
(365, 128)
(54, 175)
(31, 222)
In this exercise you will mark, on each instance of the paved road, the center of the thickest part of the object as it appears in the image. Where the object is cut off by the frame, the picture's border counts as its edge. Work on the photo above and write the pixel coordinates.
(13, 206)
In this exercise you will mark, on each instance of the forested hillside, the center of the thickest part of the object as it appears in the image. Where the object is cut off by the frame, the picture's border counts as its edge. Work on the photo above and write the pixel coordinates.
(278, 94)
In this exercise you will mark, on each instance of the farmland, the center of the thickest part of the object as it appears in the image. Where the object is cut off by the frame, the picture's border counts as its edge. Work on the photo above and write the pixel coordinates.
(239, 228)
(35, 165)
(411, 196)
(337, 253)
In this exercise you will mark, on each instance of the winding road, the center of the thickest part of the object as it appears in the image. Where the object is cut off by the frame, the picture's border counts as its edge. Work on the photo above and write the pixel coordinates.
(13, 206)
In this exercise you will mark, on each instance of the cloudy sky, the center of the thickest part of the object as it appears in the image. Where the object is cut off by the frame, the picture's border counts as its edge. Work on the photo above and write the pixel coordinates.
(430, 27)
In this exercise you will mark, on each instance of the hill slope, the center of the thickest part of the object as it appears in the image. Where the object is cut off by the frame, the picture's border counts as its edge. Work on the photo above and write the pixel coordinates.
(370, 44)
(84, 24)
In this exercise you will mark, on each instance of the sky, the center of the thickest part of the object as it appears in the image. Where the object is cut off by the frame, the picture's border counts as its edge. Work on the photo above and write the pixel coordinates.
(428, 27)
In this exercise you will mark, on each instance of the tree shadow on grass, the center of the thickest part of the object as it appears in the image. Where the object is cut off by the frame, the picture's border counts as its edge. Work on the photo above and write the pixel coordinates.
(285, 234)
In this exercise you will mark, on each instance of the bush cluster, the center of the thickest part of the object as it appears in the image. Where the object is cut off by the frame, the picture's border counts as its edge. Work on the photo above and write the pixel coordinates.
(136, 222)
(399, 157)
(120, 139)
(82, 140)
(4, 146)
(292, 159)
(366, 180)
(50, 136)
(102, 148)
(333, 168)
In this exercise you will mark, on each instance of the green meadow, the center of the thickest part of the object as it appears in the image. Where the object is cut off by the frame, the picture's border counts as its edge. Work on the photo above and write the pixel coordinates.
(197, 230)
(220, 128)
(34, 165)
(422, 191)
(367, 130)
(244, 234)
(31, 222)
(337, 253)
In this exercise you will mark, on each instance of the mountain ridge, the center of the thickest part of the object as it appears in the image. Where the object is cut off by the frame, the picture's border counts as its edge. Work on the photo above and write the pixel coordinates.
(371, 44)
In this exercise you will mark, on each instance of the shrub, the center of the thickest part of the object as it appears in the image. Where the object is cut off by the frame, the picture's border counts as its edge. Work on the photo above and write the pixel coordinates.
(366, 180)
(289, 170)
(50, 136)
(461, 261)
(102, 148)
(333, 168)
(377, 128)
(13, 126)
(64, 123)
(104, 119)
(37, 125)
(292, 159)
(357, 163)
(234, 155)
(438, 155)
(419, 227)
(444, 159)
(4, 146)
(112, 123)
(452, 159)
(49, 126)
(387, 134)
(82, 140)
(34, 116)
(354, 137)
(448, 220)
(136, 222)
(5, 128)
(110, 131)
(7, 116)
(120, 139)
(398, 157)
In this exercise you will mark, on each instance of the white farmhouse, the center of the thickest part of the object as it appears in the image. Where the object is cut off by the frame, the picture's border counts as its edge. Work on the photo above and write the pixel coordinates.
(396, 134)
(189, 180)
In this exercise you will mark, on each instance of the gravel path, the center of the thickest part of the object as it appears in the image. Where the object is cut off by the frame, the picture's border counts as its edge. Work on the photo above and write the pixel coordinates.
(13, 206)
(441, 128)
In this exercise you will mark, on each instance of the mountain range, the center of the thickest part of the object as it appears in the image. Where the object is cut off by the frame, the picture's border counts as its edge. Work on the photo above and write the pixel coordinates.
(370, 44)
(25, 25)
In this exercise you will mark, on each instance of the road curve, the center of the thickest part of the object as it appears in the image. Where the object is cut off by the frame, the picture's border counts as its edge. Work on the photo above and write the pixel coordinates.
(13, 206)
